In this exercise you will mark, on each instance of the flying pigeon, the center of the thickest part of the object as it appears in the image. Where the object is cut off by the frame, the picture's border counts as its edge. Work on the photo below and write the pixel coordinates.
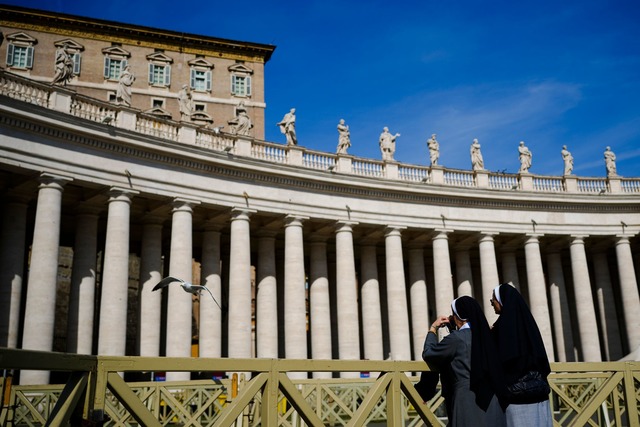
(188, 287)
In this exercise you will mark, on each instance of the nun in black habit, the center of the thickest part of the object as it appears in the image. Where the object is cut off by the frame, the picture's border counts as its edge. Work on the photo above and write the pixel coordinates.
(468, 365)
(525, 364)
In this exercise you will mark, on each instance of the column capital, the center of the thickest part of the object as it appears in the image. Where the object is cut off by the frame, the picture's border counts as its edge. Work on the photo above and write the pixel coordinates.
(487, 236)
(441, 233)
(393, 230)
(294, 220)
(345, 225)
(183, 205)
(241, 213)
(533, 237)
(578, 238)
(121, 194)
(48, 179)
(622, 239)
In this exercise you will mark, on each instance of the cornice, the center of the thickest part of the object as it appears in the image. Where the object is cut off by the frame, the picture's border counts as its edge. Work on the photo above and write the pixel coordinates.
(254, 171)
(96, 29)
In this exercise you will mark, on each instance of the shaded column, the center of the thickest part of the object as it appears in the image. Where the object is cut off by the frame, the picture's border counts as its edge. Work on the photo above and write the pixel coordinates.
(295, 319)
(210, 332)
(464, 275)
(560, 309)
(266, 297)
(370, 304)
(538, 292)
(488, 274)
(510, 268)
(347, 296)
(82, 294)
(12, 256)
(179, 302)
(319, 303)
(606, 307)
(397, 295)
(39, 316)
(150, 317)
(628, 290)
(419, 302)
(442, 273)
(239, 342)
(586, 313)
(112, 330)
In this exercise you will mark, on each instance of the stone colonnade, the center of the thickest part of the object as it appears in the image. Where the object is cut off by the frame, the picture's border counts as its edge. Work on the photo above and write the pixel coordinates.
(329, 293)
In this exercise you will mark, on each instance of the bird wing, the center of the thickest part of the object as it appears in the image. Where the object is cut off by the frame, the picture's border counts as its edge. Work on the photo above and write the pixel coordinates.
(165, 282)
(201, 287)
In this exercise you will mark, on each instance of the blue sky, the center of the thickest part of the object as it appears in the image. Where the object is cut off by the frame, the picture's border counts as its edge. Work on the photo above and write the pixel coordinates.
(545, 72)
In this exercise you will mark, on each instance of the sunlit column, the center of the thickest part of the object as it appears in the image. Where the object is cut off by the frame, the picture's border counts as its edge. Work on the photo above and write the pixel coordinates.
(442, 273)
(83, 283)
(488, 274)
(628, 290)
(319, 303)
(150, 275)
(560, 308)
(347, 296)
(606, 306)
(210, 332)
(397, 296)
(239, 341)
(587, 325)
(266, 297)
(370, 302)
(510, 268)
(464, 276)
(538, 291)
(295, 321)
(419, 302)
(39, 316)
(12, 255)
(112, 335)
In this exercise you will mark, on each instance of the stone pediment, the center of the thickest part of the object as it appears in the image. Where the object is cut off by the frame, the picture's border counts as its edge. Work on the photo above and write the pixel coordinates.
(116, 51)
(71, 44)
(159, 57)
(21, 37)
(157, 111)
(200, 62)
(201, 117)
(240, 68)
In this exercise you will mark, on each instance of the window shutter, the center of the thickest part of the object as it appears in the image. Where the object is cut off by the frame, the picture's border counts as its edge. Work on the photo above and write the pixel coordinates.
(208, 75)
(151, 66)
(123, 65)
(9, 55)
(247, 82)
(233, 85)
(167, 75)
(77, 61)
(107, 66)
(193, 79)
(30, 57)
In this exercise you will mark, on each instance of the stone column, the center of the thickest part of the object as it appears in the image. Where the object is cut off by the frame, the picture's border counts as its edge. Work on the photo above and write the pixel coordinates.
(442, 273)
(464, 275)
(39, 316)
(560, 309)
(179, 302)
(239, 341)
(82, 295)
(538, 292)
(319, 304)
(628, 290)
(397, 295)
(267, 297)
(295, 319)
(586, 313)
(112, 329)
(510, 268)
(370, 304)
(606, 306)
(347, 296)
(150, 318)
(12, 255)
(210, 332)
(489, 274)
(419, 302)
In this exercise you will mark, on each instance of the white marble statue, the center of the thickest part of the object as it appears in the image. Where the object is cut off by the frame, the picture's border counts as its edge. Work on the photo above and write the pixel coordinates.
(185, 101)
(288, 127)
(241, 124)
(477, 162)
(123, 96)
(344, 138)
(568, 160)
(387, 143)
(434, 149)
(64, 66)
(525, 158)
(610, 162)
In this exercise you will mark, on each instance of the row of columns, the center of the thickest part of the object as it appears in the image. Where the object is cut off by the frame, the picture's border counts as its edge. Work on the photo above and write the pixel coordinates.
(40, 301)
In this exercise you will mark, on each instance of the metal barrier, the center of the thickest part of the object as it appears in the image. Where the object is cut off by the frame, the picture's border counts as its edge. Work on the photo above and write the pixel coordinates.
(595, 394)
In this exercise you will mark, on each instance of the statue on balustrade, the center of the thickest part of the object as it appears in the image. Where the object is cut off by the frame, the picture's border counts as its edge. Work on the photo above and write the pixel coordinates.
(610, 162)
(123, 96)
(64, 66)
(344, 138)
(185, 102)
(387, 143)
(434, 149)
(568, 160)
(288, 127)
(525, 158)
(477, 162)
(241, 124)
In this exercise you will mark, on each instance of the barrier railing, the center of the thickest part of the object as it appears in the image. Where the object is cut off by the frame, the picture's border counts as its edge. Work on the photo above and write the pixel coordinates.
(594, 394)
